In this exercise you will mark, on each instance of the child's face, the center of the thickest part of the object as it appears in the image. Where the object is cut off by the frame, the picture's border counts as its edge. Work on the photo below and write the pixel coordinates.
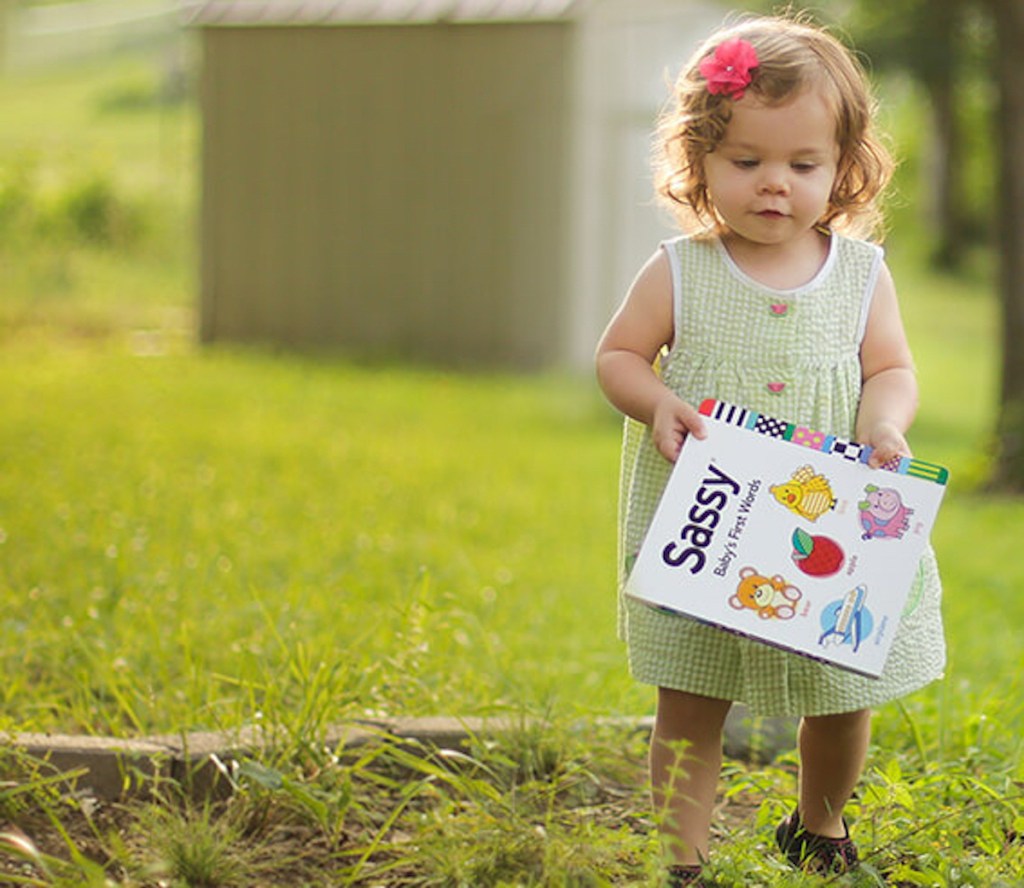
(771, 176)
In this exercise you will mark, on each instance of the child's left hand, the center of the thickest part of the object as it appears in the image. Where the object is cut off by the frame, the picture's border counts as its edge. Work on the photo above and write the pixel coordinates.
(887, 443)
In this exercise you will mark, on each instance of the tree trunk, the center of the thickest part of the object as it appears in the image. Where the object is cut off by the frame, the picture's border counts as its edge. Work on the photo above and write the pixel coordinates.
(1009, 21)
(945, 175)
(947, 162)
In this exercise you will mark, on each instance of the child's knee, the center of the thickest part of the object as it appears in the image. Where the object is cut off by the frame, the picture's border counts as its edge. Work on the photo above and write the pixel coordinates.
(684, 715)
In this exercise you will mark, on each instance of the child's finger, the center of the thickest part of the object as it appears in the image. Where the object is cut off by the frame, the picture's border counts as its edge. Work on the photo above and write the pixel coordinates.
(878, 458)
(885, 453)
(692, 421)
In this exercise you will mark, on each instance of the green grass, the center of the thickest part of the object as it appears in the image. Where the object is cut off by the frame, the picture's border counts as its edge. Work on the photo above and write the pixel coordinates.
(179, 529)
(212, 538)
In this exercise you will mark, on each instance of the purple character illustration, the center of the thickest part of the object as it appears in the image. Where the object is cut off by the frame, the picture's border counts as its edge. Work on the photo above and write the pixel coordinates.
(882, 514)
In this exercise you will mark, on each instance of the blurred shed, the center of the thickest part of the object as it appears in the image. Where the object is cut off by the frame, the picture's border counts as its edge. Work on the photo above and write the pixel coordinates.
(456, 182)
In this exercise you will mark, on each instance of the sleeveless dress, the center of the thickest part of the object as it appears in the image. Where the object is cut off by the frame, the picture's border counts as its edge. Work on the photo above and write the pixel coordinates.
(793, 355)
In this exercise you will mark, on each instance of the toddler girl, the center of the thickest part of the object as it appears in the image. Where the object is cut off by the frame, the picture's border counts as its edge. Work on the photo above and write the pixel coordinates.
(773, 302)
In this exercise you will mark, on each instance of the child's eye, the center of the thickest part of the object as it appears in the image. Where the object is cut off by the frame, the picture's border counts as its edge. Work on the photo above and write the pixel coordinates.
(745, 163)
(804, 166)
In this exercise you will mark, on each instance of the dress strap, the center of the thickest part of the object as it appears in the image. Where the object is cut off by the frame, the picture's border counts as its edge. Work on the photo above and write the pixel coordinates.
(869, 290)
(675, 264)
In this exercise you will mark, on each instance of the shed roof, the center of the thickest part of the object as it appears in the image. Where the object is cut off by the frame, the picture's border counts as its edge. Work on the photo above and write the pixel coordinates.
(346, 12)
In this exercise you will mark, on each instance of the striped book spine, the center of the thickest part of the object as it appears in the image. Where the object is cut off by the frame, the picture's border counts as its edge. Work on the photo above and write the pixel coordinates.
(805, 437)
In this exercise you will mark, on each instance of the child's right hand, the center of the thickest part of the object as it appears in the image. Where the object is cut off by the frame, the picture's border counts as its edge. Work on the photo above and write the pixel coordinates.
(673, 420)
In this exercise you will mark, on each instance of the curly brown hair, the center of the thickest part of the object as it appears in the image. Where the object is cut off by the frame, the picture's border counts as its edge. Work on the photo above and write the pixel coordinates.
(793, 55)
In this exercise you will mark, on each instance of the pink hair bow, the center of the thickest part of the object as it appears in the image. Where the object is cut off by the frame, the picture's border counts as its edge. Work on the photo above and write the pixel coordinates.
(728, 70)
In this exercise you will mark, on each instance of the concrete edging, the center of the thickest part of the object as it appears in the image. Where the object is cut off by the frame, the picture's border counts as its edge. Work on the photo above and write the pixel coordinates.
(111, 768)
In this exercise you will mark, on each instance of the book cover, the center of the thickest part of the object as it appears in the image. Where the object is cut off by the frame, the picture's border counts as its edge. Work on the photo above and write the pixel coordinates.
(786, 535)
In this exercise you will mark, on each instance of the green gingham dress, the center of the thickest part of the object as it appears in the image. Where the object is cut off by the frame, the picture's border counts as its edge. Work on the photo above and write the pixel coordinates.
(793, 355)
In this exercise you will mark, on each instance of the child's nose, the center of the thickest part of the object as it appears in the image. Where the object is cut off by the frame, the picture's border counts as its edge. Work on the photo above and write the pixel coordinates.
(774, 181)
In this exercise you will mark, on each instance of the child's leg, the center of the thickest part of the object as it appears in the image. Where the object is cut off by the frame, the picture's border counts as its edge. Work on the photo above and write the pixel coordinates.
(685, 782)
(833, 749)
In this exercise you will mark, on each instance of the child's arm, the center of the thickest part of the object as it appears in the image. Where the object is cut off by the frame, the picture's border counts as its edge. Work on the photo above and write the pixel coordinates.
(626, 353)
(888, 400)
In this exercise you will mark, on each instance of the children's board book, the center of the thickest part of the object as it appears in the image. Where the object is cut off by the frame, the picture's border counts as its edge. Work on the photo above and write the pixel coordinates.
(786, 535)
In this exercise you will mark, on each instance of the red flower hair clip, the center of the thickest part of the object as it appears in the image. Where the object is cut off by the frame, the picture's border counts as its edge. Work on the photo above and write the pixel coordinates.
(728, 70)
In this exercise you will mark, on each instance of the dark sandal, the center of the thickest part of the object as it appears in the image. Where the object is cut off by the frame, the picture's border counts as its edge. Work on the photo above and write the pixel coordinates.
(813, 853)
(680, 876)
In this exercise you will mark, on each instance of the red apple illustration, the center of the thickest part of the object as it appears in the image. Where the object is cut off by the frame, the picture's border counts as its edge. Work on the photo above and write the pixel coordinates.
(816, 556)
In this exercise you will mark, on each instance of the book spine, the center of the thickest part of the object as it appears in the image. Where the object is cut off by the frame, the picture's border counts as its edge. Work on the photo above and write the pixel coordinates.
(805, 437)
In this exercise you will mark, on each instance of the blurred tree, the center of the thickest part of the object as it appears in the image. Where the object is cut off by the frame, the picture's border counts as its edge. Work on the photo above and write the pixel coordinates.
(932, 41)
(1008, 16)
